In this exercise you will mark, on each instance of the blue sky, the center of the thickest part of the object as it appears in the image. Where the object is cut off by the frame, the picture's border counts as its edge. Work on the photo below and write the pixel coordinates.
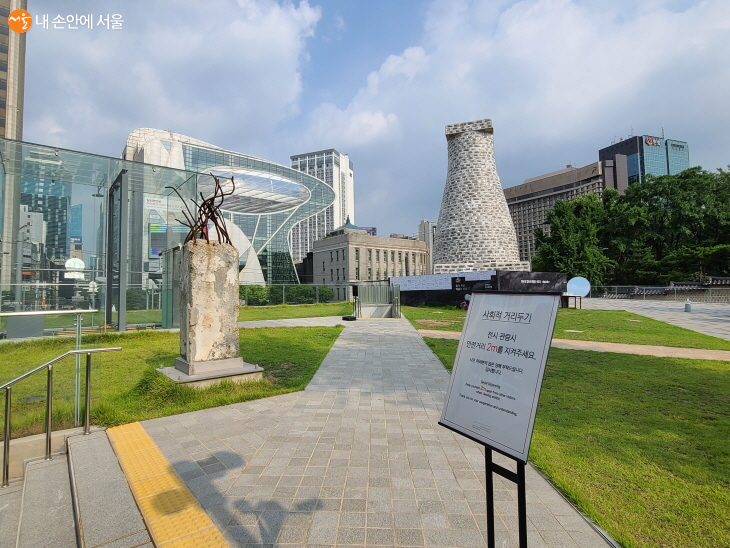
(379, 81)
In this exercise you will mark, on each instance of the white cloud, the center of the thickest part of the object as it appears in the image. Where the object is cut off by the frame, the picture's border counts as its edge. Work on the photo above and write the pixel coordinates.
(558, 77)
(217, 72)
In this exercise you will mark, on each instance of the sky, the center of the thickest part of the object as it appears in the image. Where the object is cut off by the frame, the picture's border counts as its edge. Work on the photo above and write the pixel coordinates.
(378, 80)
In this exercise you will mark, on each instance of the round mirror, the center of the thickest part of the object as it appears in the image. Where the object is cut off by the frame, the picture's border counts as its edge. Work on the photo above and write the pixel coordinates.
(579, 286)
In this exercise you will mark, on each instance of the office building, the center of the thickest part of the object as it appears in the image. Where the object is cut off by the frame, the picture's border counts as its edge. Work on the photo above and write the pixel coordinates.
(618, 166)
(646, 154)
(426, 233)
(12, 85)
(530, 202)
(335, 170)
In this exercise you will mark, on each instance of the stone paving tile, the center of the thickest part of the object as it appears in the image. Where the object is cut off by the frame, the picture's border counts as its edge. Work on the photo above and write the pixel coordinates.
(708, 318)
(357, 459)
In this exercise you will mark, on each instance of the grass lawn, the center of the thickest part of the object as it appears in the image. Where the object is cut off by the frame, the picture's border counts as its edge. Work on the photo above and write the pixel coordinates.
(287, 311)
(625, 327)
(126, 387)
(441, 318)
(597, 325)
(245, 313)
(639, 443)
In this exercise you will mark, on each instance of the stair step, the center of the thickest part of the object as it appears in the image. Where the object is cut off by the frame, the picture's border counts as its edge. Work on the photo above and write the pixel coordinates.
(10, 499)
(107, 510)
(46, 514)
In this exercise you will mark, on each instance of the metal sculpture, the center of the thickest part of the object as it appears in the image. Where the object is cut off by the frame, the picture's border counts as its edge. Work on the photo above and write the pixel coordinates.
(208, 211)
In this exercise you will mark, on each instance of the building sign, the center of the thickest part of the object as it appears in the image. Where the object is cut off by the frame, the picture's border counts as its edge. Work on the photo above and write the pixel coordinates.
(462, 285)
(531, 282)
(653, 141)
(495, 384)
(458, 283)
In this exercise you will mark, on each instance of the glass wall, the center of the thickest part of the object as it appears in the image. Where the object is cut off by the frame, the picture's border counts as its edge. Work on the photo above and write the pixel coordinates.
(70, 204)
(655, 156)
(90, 231)
(677, 156)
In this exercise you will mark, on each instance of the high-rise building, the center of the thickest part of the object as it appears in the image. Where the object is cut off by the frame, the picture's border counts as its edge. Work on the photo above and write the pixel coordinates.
(426, 233)
(50, 196)
(619, 165)
(75, 229)
(12, 73)
(646, 154)
(335, 170)
(12, 85)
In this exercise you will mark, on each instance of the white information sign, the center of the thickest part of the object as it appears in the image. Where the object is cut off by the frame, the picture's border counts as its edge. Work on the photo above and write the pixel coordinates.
(497, 376)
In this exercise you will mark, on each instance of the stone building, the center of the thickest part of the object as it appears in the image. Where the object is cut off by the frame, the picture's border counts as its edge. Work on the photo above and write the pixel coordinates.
(350, 255)
(474, 229)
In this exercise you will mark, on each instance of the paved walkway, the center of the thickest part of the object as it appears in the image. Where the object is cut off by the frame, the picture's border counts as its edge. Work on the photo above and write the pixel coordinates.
(710, 319)
(357, 459)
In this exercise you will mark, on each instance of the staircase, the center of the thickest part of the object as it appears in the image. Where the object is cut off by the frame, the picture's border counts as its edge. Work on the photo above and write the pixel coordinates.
(77, 499)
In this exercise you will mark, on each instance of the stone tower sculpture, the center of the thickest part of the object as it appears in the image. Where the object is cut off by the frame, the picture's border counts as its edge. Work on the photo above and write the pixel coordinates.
(475, 229)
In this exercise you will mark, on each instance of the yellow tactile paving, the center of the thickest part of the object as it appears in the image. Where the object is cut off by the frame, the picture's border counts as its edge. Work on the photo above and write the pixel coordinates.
(167, 502)
(173, 516)
(147, 487)
(133, 457)
(187, 521)
(144, 470)
(208, 538)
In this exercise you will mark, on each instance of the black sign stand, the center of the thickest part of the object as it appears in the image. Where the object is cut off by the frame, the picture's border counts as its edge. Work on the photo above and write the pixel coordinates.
(518, 478)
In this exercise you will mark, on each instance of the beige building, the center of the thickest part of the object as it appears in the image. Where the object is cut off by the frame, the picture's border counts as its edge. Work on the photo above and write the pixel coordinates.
(353, 256)
(12, 87)
(530, 202)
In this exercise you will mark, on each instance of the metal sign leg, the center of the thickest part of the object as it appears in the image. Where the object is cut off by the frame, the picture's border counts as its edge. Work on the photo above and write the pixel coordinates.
(518, 478)
(490, 496)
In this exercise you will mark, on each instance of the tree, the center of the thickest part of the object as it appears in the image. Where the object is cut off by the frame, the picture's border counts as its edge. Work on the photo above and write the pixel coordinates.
(668, 228)
(572, 243)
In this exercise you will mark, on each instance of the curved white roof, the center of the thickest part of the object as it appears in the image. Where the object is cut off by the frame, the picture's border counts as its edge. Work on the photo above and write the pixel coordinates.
(255, 192)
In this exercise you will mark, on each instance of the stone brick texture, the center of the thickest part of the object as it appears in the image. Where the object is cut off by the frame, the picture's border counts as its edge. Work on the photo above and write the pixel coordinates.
(475, 229)
(208, 302)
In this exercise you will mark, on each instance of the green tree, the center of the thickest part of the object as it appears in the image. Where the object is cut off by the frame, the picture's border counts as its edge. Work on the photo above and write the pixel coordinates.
(668, 228)
(572, 243)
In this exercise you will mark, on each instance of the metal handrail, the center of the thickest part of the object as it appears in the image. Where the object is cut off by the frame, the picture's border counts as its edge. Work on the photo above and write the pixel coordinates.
(8, 387)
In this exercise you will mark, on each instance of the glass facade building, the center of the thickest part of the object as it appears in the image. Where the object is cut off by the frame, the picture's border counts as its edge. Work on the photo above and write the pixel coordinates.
(649, 155)
(270, 198)
(119, 216)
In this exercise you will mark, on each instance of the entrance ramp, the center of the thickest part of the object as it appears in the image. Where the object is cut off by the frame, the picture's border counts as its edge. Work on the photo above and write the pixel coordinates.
(377, 301)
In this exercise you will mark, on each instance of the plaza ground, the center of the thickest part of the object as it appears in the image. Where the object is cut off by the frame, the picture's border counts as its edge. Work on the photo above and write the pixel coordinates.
(357, 459)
